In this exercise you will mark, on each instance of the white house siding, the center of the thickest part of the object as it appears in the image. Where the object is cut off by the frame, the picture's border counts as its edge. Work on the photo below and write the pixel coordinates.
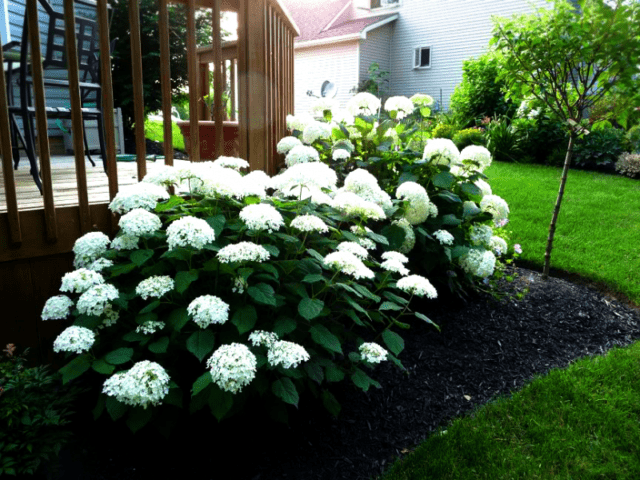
(337, 62)
(376, 48)
(455, 29)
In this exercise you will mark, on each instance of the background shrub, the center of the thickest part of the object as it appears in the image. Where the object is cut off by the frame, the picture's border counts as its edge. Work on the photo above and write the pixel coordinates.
(444, 130)
(469, 136)
(629, 164)
(539, 137)
(633, 138)
(503, 140)
(599, 150)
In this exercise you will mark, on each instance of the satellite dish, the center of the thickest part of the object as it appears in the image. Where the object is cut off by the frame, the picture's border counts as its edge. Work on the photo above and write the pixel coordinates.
(328, 89)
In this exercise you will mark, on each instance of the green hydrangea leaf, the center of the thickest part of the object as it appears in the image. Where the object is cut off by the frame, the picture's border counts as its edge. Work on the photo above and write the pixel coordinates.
(330, 403)
(201, 343)
(262, 293)
(389, 306)
(138, 418)
(103, 367)
(284, 325)
(119, 356)
(245, 318)
(139, 257)
(394, 342)
(322, 336)
(272, 249)
(177, 319)
(152, 306)
(115, 408)
(216, 222)
(284, 389)
(75, 367)
(362, 380)
(333, 373)
(309, 308)
(159, 346)
(220, 402)
(184, 279)
(201, 383)
(314, 371)
(426, 319)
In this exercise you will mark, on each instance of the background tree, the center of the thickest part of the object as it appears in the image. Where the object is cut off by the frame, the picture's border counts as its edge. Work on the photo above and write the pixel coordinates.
(569, 58)
(149, 38)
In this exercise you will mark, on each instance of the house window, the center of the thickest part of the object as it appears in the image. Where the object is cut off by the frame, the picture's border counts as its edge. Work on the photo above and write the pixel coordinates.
(422, 57)
(5, 35)
(384, 3)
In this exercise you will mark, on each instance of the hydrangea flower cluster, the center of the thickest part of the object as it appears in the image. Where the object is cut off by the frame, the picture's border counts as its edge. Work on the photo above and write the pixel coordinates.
(348, 263)
(301, 154)
(409, 235)
(260, 337)
(145, 383)
(363, 103)
(142, 195)
(321, 105)
(316, 131)
(155, 287)
(417, 285)
(149, 327)
(480, 263)
(353, 205)
(208, 310)
(395, 266)
(422, 100)
(314, 175)
(395, 256)
(234, 163)
(96, 299)
(262, 216)
(139, 222)
(287, 354)
(298, 122)
(100, 264)
(498, 245)
(419, 208)
(478, 154)
(287, 143)
(309, 223)
(340, 154)
(89, 248)
(470, 209)
(481, 235)
(74, 339)
(189, 232)
(496, 206)
(365, 185)
(354, 249)
(217, 182)
(125, 242)
(373, 353)
(81, 280)
(484, 187)
(402, 105)
(243, 252)
(363, 241)
(232, 367)
(444, 237)
(57, 308)
(441, 151)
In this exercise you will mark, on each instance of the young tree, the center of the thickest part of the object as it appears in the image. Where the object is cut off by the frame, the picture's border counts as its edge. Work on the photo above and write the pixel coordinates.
(569, 57)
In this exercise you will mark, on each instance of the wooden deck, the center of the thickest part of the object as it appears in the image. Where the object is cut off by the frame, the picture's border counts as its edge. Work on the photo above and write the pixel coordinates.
(65, 187)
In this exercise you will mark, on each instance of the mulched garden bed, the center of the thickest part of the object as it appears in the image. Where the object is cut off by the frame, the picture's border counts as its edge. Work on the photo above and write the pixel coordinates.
(486, 349)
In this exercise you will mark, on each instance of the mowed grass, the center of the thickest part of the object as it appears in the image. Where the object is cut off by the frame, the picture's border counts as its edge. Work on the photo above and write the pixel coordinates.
(582, 422)
(154, 130)
(598, 228)
(579, 423)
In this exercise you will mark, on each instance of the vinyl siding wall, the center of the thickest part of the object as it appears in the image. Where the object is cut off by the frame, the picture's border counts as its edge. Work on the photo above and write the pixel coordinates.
(455, 29)
(338, 63)
(376, 48)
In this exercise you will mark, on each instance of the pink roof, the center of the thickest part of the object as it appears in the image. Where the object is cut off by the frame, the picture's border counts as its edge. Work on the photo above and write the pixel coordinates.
(312, 17)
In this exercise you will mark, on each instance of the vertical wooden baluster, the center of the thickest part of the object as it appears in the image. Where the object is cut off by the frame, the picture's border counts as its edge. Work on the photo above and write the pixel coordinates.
(291, 74)
(243, 107)
(204, 113)
(217, 79)
(281, 90)
(138, 89)
(41, 122)
(232, 79)
(224, 88)
(192, 67)
(76, 114)
(15, 233)
(165, 81)
(107, 106)
(268, 79)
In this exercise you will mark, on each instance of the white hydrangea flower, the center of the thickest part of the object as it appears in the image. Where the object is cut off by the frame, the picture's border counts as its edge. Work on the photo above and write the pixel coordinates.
(353, 248)
(142, 195)
(354, 206)
(496, 206)
(316, 195)
(483, 186)
(359, 230)
(340, 154)
(89, 247)
(422, 100)
(111, 316)
(260, 337)
(125, 242)
(322, 104)
(287, 143)
(232, 367)
(301, 154)
(95, 299)
(234, 163)
(57, 308)
(139, 222)
(365, 185)
(100, 264)
(409, 235)
(470, 208)
(207, 310)
(363, 241)
(478, 154)
(150, 326)
(459, 171)
(243, 252)
(399, 104)
(373, 353)
(298, 122)
(81, 280)
(441, 151)
(258, 177)
(367, 243)
(349, 264)
(395, 266)
(480, 263)
(74, 339)
(262, 216)
(418, 210)
(309, 223)
(155, 287)
(287, 354)
(342, 116)
(312, 174)
(444, 237)
(218, 182)
(395, 256)
(316, 131)
(417, 285)
(189, 232)
(363, 103)
(498, 245)
(145, 383)
(481, 235)
(165, 175)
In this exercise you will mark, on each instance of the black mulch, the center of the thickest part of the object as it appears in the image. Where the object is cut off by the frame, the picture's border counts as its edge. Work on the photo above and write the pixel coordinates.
(486, 349)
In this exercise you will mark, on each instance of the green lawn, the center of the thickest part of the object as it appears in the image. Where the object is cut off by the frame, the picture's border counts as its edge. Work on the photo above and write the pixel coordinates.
(153, 130)
(582, 422)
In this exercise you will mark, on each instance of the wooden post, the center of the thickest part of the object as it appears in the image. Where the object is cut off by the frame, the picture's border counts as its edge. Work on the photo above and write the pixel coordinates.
(76, 115)
(41, 121)
(217, 79)
(232, 79)
(165, 81)
(192, 67)
(138, 89)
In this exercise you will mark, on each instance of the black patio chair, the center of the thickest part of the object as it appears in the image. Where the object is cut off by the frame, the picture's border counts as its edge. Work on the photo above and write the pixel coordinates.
(55, 57)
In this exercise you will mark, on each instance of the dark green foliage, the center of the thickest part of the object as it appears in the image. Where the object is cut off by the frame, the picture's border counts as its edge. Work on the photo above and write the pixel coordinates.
(540, 136)
(377, 83)
(444, 130)
(34, 407)
(504, 141)
(469, 136)
(633, 138)
(600, 149)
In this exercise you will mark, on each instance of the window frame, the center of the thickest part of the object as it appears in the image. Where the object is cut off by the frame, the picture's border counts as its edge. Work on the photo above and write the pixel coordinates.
(382, 7)
(420, 48)
(5, 28)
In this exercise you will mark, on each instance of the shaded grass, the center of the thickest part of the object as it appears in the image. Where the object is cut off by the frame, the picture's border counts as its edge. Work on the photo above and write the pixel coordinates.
(154, 130)
(598, 228)
(579, 423)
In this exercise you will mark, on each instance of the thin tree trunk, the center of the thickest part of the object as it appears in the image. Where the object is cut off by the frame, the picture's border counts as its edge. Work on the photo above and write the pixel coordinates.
(556, 210)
